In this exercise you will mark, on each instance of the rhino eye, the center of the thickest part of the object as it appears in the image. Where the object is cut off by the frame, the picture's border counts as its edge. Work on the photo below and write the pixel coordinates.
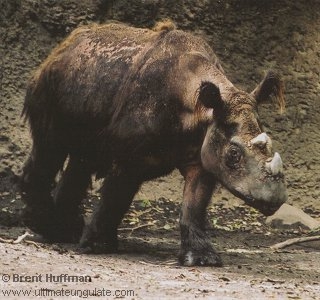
(233, 157)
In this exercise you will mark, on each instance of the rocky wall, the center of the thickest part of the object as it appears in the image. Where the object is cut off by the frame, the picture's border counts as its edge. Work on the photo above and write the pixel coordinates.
(249, 36)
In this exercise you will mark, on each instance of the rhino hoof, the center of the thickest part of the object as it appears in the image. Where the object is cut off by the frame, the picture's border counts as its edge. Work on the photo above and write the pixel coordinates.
(200, 258)
(89, 244)
(51, 226)
(97, 248)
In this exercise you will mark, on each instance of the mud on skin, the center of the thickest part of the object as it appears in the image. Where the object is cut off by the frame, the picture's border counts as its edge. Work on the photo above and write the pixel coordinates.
(130, 105)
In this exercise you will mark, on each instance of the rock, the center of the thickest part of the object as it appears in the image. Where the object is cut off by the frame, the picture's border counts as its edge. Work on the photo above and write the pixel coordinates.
(289, 217)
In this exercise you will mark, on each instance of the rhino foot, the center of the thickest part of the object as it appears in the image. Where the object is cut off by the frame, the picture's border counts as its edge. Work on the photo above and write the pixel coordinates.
(200, 258)
(98, 248)
(52, 226)
(98, 242)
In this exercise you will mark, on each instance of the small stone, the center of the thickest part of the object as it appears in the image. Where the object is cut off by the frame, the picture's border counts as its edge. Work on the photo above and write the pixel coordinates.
(289, 217)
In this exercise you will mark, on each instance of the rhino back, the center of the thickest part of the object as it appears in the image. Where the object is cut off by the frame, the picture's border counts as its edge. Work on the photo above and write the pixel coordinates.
(102, 61)
(114, 80)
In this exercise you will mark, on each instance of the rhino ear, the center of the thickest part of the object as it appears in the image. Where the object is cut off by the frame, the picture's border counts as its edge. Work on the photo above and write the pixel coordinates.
(209, 96)
(271, 89)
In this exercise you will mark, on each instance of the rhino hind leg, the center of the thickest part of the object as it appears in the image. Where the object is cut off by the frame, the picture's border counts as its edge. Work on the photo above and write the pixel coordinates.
(69, 193)
(36, 184)
(196, 248)
(100, 236)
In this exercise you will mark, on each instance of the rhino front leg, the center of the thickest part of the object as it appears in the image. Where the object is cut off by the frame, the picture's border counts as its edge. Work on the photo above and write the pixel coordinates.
(196, 248)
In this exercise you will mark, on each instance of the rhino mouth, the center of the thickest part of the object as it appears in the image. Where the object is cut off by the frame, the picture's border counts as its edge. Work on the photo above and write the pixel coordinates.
(267, 197)
(266, 208)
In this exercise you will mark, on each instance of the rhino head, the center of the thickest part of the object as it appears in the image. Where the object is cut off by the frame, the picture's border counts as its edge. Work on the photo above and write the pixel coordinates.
(237, 151)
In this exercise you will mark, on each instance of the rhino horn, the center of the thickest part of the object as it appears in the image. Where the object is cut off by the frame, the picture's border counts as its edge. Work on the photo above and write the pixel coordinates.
(275, 166)
(262, 140)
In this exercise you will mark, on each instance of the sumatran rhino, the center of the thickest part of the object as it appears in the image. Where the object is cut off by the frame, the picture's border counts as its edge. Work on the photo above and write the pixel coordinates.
(129, 105)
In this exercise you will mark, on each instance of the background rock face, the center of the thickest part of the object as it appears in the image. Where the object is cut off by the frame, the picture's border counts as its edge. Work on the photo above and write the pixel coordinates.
(248, 36)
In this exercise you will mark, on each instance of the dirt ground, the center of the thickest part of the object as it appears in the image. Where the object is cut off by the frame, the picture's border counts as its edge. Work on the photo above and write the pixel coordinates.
(135, 276)
(146, 267)
(249, 38)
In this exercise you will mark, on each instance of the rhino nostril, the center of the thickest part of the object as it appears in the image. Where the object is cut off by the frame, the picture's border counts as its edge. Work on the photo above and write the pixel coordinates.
(275, 166)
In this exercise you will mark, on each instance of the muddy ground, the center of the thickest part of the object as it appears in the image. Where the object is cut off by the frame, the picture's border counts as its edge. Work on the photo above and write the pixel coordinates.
(249, 37)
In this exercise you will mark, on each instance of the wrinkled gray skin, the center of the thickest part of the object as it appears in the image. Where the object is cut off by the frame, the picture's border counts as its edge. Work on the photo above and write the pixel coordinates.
(129, 105)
